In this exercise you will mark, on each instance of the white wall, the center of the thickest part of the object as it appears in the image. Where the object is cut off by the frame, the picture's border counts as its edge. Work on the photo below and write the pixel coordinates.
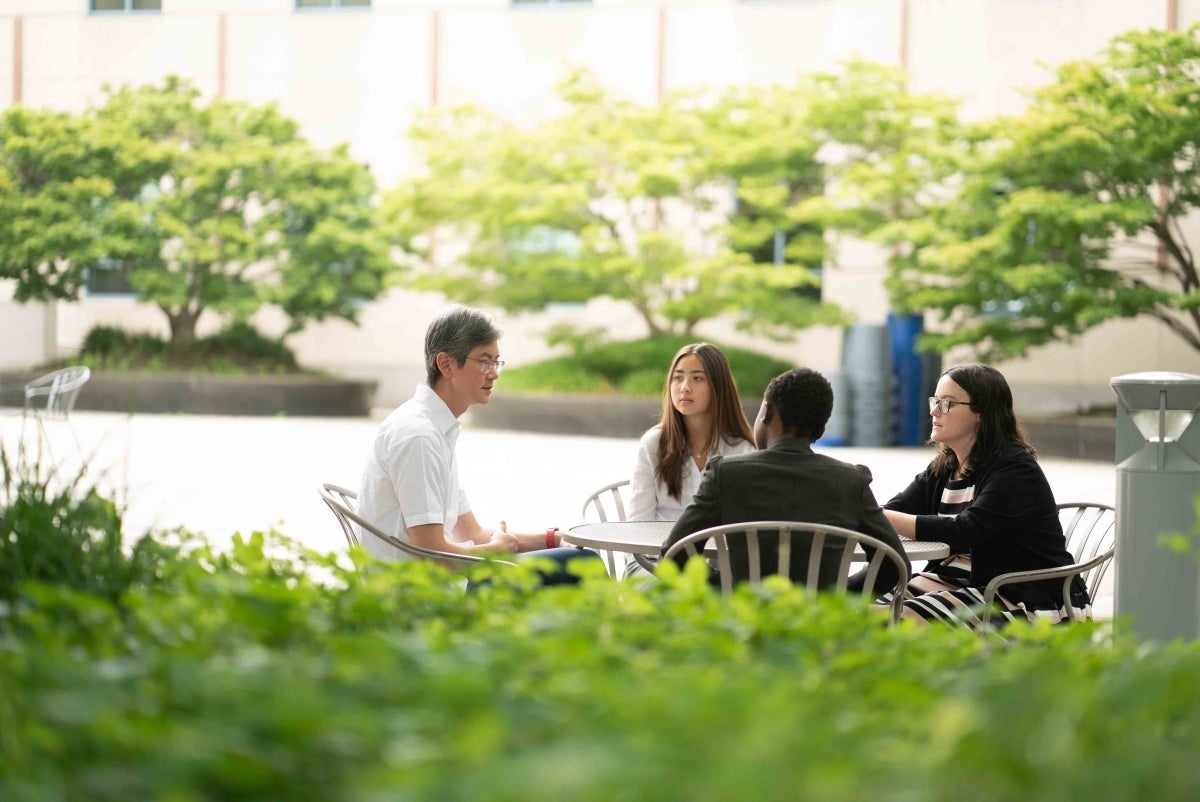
(27, 335)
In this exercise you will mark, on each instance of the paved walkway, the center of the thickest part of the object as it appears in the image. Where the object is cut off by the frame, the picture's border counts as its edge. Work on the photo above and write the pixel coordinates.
(219, 475)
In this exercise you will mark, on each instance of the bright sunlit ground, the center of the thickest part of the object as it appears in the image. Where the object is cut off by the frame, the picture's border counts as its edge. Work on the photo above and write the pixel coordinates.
(219, 475)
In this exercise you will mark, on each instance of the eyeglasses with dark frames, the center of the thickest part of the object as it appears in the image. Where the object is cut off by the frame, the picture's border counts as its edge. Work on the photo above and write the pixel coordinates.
(945, 404)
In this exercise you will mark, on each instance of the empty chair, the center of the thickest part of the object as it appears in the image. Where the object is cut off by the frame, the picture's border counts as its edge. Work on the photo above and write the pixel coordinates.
(341, 502)
(1090, 530)
(607, 504)
(52, 397)
(59, 389)
(831, 547)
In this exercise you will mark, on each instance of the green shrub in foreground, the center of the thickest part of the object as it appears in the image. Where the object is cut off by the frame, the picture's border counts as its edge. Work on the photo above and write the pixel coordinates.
(55, 530)
(247, 678)
(271, 672)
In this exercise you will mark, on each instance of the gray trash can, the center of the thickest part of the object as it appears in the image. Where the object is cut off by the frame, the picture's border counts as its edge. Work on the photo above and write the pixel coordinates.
(1158, 480)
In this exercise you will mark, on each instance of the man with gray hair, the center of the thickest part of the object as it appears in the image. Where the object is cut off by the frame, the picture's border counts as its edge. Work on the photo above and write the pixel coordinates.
(410, 485)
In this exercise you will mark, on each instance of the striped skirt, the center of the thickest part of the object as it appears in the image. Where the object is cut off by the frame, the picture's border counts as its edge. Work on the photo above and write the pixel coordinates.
(946, 595)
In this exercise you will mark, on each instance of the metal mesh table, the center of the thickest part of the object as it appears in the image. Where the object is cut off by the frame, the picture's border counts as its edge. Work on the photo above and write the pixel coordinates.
(645, 539)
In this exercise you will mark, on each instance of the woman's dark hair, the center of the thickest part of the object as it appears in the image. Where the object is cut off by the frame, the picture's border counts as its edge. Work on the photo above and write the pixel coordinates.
(728, 417)
(992, 399)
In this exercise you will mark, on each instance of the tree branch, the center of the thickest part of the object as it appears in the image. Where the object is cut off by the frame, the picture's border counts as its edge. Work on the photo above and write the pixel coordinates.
(1167, 317)
(1186, 270)
(1188, 259)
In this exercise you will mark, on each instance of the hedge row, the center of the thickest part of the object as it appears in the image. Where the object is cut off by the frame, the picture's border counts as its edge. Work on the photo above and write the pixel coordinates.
(271, 672)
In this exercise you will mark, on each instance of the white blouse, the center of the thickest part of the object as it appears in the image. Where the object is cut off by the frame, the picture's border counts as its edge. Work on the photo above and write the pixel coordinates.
(649, 500)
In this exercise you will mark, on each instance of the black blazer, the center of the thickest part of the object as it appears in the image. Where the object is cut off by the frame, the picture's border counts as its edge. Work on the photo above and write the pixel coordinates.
(786, 482)
(1011, 525)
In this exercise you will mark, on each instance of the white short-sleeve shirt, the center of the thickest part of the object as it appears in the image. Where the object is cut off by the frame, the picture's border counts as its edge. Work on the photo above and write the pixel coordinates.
(411, 475)
(648, 498)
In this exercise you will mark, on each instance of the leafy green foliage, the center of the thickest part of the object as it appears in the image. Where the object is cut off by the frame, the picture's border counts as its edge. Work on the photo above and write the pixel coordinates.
(109, 342)
(634, 367)
(238, 348)
(270, 671)
(244, 344)
(219, 206)
(607, 199)
(54, 530)
(1061, 213)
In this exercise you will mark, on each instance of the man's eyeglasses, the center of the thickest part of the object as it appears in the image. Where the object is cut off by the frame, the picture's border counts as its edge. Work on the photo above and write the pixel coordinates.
(488, 365)
(945, 404)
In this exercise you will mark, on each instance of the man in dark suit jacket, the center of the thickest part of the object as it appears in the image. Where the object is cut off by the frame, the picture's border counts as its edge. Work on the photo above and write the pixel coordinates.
(786, 481)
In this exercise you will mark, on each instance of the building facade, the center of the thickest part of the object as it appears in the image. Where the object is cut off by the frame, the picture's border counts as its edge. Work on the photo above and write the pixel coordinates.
(357, 71)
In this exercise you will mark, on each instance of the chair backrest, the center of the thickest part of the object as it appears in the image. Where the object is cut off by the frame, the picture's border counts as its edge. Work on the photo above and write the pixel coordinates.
(1091, 531)
(339, 499)
(347, 499)
(827, 546)
(59, 388)
(607, 503)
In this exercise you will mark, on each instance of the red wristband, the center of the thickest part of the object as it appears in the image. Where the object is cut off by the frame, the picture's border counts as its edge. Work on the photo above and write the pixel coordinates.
(551, 537)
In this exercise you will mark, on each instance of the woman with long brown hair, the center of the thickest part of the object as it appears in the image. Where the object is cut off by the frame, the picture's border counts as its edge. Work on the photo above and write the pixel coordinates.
(702, 415)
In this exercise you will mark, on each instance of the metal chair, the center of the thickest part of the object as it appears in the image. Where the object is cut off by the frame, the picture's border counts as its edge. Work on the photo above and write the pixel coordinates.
(341, 502)
(52, 397)
(608, 504)
(825, 544)
(604, 498)
(1091, 532)
(347, 498)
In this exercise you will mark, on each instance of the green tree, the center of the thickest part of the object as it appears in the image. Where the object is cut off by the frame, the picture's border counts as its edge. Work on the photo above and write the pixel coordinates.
(886, 153)
(61, 178)
(848, 151)
(1069, 214)
(221, 207)
(761, 141)
(608, 199)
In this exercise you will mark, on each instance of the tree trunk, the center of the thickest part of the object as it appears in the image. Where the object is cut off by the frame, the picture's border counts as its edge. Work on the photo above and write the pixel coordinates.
(183, 327)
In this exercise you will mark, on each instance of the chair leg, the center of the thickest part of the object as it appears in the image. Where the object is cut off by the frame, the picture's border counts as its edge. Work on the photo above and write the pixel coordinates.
(647, 563)
(78, 445)
(44, 439)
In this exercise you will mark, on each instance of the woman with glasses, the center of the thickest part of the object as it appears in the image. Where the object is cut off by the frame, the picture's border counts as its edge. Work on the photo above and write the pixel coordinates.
(986, 496)
(702, 415)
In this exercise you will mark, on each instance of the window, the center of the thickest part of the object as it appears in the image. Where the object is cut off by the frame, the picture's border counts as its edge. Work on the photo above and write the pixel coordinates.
(108, 277)
(306, 5)
(126, 6)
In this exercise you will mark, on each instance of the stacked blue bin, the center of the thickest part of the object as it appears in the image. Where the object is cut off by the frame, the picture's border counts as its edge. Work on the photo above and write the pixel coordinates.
(915, 377)
(887, 383)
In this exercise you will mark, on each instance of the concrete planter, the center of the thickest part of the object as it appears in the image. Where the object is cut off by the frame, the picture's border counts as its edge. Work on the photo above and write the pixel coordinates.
(619, 416)
(595, 415)
(213, 394)
(1074, 437)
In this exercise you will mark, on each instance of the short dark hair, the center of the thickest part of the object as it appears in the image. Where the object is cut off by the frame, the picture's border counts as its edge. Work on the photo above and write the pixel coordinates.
(803, 400)
(456, 331)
